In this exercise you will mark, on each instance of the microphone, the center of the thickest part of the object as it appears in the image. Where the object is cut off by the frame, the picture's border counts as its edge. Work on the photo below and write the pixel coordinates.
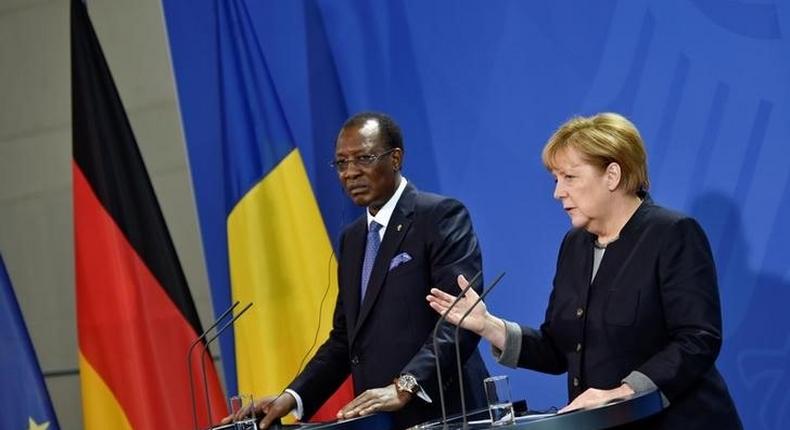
(205, 349)
(458, 348)
(189, 362)
(435, 346)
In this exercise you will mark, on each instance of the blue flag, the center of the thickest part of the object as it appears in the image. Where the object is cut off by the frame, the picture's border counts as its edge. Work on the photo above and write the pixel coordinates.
(23, 395)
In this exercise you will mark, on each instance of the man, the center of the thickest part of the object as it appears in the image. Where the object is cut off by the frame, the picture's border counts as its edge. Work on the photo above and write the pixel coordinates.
(407, 242)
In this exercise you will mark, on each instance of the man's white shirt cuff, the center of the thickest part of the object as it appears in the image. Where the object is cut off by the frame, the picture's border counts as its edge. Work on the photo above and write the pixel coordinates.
(299, 410)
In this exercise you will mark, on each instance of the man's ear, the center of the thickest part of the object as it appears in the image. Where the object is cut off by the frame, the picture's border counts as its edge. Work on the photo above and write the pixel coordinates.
(397, 159)
(614, 175)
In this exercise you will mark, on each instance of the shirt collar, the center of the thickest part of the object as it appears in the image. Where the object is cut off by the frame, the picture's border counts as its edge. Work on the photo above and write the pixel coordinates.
(385, 213)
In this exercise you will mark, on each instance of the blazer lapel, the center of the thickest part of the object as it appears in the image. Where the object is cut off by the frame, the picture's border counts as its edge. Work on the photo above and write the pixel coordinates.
(585, 269)
(619, 253)
(397, 228)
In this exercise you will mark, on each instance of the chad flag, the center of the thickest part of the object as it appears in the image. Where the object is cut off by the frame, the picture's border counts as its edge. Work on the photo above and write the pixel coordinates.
(279, 253)
(263, 234)
(135, 316)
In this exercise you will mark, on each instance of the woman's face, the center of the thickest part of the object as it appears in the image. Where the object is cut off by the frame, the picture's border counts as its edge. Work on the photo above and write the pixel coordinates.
(583, 190)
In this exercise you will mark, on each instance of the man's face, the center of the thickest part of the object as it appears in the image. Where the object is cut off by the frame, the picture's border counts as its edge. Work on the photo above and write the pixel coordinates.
(367, 185)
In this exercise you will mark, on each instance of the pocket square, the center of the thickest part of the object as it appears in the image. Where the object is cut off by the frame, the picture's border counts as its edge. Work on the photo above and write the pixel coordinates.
(399, 259)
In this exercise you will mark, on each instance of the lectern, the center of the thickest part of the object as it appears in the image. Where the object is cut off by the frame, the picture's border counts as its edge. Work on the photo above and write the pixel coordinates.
(612, 414)
(622, 411)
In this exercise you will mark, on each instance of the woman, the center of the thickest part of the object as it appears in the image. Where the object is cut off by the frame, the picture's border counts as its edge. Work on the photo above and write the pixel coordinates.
(635, 304)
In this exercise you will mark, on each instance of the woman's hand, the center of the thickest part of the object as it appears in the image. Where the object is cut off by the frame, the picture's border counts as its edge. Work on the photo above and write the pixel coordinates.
(594, 397)
(441, 301)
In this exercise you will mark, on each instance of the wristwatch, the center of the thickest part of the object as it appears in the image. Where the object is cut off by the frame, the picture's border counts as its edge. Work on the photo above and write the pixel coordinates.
(407, 383)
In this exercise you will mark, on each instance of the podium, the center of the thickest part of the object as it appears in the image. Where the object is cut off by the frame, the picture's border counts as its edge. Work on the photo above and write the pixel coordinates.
(612, 414)
(380, 421)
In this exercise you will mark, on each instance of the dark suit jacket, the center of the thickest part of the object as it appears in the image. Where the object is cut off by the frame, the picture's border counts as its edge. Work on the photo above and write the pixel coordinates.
(653, 307)
(390, 333)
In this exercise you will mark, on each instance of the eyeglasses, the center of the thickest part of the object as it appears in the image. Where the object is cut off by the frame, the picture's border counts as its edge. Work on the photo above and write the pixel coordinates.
(367, 160)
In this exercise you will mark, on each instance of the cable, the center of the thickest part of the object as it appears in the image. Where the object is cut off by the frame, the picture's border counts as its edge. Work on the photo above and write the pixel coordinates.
(332, 255)
(320, 312)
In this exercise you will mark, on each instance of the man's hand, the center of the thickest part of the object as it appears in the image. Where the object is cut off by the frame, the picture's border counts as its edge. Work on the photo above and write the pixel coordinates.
(270, 408)
(374, 400)
(594, 397)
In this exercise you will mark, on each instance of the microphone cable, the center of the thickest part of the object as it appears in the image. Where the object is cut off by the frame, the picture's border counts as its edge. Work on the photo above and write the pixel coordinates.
(332, 255)
(299, 369)
(302, 363)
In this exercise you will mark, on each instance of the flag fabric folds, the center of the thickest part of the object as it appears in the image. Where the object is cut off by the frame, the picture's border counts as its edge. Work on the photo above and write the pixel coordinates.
(264, 236)
(25, 400)
(135, 316)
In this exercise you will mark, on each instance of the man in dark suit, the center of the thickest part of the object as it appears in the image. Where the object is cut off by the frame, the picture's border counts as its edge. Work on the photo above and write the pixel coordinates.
(406, 242)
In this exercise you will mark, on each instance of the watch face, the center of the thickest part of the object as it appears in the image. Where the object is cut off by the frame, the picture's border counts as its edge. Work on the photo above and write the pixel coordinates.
(407, 383)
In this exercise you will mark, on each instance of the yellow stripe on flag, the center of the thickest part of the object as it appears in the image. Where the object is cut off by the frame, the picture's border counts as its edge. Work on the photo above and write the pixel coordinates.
(100, 408)
(281, 260)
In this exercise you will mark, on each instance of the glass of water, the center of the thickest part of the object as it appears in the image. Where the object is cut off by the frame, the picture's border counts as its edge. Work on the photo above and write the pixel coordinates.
(243, 406)
(500, 406)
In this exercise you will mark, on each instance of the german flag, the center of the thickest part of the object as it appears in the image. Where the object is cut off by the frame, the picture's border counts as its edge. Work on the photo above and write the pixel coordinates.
(135, 316)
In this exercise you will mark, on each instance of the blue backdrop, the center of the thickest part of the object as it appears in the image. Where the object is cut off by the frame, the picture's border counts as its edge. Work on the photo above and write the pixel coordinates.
(478, 87)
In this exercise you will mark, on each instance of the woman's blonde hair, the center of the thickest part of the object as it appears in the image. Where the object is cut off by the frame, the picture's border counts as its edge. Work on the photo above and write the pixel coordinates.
(603, 139)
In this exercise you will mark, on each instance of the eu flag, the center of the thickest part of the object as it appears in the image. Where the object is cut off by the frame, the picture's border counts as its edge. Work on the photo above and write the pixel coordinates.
(23, 395)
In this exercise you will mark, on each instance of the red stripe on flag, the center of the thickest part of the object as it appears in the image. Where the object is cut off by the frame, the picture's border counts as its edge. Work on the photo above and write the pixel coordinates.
(341, 397)
(129, 329)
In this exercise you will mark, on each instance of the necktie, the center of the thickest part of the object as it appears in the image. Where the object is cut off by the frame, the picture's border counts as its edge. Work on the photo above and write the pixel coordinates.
(371, 249)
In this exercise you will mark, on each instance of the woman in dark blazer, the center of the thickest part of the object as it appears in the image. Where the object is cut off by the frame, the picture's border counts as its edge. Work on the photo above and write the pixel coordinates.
(635, 303)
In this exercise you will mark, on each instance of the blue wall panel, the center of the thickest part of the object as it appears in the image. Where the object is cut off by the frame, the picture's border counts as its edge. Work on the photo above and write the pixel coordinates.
(478, 87)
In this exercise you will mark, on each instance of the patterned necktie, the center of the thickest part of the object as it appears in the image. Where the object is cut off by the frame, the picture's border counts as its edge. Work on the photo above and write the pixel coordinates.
(371, 249)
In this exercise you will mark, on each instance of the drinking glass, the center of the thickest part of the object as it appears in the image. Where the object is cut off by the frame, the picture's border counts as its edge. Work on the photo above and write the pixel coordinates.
(500, 406)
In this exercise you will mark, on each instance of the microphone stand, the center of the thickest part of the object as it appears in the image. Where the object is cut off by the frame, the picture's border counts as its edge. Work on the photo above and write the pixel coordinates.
(458, 348)
(189, 362)
(203, 353)
(436, 349)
